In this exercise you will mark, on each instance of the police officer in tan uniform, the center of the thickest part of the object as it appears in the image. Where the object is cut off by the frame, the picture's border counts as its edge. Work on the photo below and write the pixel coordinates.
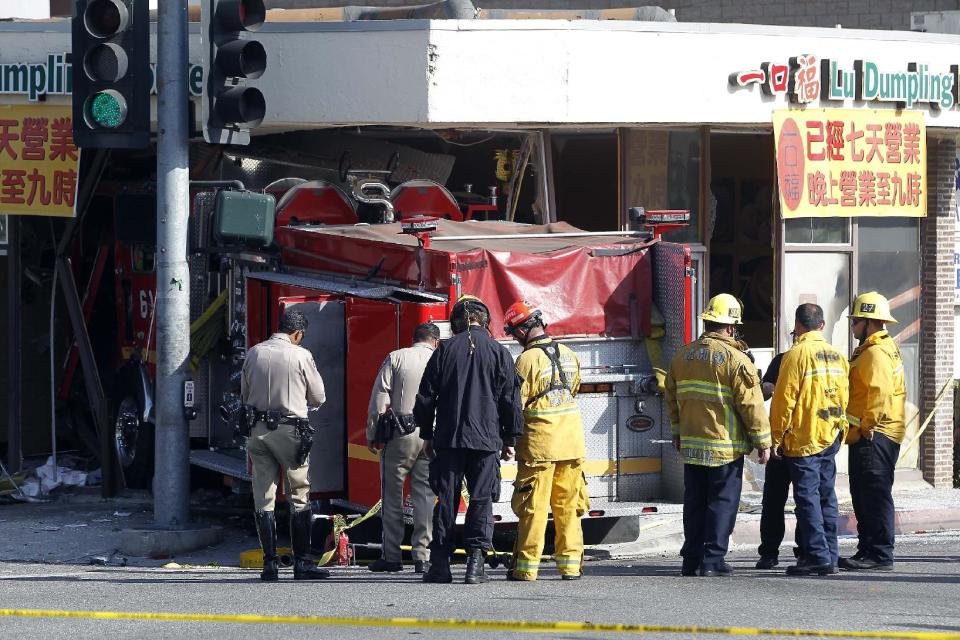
(280, 380)
(391, 407)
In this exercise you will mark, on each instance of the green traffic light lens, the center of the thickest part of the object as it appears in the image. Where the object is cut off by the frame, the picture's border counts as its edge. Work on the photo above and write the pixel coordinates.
(106, 109)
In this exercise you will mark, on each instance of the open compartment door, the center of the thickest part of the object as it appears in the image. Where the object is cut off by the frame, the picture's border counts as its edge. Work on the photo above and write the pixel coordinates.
(326, 340)
(371, 335)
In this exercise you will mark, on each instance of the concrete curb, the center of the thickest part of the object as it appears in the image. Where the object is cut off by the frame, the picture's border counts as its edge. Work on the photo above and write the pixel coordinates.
(666, 537)
(919, 521)
(153, 543)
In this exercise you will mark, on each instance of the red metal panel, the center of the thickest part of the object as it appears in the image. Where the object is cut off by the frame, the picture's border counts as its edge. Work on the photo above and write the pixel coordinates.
(357, 256)
(257, 312)
(371, 335)
(423, 198)
(317, 202)
(413, 315)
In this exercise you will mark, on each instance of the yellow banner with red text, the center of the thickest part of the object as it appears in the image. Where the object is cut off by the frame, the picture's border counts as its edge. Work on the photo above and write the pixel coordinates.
(38, 160)
(850, 162)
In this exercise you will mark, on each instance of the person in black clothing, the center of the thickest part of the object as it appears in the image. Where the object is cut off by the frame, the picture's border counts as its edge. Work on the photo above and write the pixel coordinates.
(776, 487)
(470, 389)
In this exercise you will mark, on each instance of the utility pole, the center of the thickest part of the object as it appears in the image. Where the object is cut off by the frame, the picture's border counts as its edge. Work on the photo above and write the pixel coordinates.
(171, 483)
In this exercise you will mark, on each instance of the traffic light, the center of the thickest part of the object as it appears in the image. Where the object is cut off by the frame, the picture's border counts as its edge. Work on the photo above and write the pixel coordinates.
(111, 73)
(230, 106)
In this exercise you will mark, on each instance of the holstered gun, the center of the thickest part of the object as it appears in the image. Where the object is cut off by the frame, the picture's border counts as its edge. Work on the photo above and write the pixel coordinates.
(305, 431)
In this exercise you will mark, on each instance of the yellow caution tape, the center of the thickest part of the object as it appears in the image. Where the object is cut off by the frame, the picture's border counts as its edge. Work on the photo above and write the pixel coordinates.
(474, 625)
(340, 525)
(951, 384)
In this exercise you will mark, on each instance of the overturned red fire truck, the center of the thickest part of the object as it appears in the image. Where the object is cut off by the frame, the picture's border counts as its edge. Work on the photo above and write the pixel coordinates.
(620, 300)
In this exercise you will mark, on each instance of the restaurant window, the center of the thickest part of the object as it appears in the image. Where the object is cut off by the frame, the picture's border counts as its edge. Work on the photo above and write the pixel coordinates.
(888, 261)
(661, 170)
(817, 231)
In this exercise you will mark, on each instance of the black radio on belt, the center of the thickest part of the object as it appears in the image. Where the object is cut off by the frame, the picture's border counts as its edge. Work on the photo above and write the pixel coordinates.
(273, 419)
(390, 423)
(270, 418)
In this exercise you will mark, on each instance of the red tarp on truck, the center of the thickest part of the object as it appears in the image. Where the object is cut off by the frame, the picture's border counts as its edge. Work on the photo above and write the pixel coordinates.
(587, 285)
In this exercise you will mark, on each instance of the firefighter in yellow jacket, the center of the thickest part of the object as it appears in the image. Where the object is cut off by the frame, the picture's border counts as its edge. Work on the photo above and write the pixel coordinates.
(550, 452)
(876, 416)
(808, 423)
(716, 415)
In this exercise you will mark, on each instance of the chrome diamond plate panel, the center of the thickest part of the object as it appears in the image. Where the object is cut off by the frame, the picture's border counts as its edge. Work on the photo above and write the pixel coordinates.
(669, 273)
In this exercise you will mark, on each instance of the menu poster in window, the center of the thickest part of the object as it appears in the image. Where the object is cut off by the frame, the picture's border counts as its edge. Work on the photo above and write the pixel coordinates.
(38, 160)
(850, 162)
(646, 163)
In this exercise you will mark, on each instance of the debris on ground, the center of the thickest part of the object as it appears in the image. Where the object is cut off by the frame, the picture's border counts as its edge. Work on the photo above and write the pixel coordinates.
(115, 559)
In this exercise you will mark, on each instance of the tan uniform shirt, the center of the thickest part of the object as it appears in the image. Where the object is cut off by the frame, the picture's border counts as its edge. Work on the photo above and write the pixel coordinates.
(281, 376)
(397, 383)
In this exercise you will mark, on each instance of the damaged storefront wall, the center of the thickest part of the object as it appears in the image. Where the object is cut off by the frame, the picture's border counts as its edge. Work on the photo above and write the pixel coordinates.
(563, 135)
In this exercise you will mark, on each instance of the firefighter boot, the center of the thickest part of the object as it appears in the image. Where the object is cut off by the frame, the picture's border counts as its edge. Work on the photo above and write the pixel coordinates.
(476, 571)
(303, 568)
(267, 532)
(439, 570)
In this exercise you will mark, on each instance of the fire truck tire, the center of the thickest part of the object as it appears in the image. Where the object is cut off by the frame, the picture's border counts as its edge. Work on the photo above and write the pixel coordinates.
(133, 436)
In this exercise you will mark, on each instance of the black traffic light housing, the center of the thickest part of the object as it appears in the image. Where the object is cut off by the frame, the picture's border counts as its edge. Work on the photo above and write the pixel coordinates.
(111, 73)
(231, 57)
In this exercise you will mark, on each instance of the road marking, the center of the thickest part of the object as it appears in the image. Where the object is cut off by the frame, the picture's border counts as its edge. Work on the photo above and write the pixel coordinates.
(472, 625)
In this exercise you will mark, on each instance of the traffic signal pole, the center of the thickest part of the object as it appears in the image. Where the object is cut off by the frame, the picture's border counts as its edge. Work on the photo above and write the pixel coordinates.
(171, 485)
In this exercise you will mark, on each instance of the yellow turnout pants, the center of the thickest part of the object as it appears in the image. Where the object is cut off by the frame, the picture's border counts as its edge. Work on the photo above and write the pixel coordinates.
(542, 487)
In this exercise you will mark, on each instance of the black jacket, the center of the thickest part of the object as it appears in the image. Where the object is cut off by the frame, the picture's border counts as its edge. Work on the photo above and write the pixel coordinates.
(475, 398)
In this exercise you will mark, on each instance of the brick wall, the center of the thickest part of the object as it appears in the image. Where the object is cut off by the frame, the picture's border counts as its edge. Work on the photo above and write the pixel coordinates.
(937, 281)
(852, 14)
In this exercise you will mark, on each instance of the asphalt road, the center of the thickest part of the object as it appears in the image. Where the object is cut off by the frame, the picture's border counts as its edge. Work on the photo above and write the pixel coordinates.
(923, 594)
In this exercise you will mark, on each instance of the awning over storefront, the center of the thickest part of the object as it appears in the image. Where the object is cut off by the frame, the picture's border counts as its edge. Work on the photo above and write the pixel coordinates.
(532, 73)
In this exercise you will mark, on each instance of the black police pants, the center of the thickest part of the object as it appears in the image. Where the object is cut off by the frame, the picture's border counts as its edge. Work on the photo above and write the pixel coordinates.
(447, 471)
(711, 499)
(776, 487)
(871, 487)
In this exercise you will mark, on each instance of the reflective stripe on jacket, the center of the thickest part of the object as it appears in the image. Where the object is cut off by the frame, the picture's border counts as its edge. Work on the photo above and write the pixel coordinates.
(714, 400)
(554, 430)
(877, 389)
(809, 403)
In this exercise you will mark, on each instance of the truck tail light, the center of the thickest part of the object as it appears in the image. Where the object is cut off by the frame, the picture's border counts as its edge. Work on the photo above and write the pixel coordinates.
(603, 387)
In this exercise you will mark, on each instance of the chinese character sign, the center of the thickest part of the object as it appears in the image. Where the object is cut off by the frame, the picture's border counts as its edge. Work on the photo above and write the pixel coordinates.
(38, 160)
(843, 162)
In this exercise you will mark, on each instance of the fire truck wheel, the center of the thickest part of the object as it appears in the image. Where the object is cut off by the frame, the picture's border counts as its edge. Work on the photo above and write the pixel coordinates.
(133, 436)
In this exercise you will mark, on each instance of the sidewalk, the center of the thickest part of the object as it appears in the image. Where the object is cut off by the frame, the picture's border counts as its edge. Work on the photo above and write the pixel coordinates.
(85, 529)
(920, 509)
